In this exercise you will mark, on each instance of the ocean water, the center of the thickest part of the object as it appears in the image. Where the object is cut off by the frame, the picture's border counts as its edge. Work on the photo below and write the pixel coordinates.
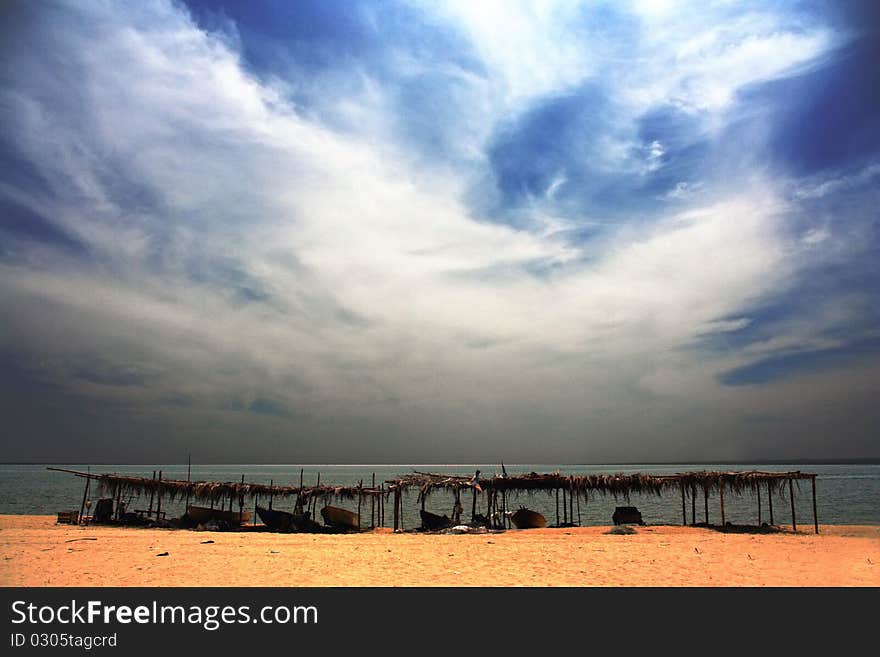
(846, 494)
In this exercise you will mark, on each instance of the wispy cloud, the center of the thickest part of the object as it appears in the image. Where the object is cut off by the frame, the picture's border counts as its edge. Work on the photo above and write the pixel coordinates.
(261, 261)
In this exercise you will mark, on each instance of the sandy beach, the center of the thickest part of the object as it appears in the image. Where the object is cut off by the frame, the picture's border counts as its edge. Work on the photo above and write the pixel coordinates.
(38, 552)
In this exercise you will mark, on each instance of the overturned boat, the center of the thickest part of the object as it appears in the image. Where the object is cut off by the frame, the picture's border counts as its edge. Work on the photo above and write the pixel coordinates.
(433, 521)
(527, 519)
(284, 521)
(340, 518)
(201, 515)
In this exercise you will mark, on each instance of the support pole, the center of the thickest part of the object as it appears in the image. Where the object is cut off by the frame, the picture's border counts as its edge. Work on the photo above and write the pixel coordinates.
(706, 502)
(271, 492)
(684, 518)
(770, 501)
(721, 492)
(579, 507)
(759, 505)
(241, 500)
(570, 502)
(373, 504)
(396, 508)
(693, 503)
(564, 508)
(82, 509)
(159, 497)
(360, 500)
(314, 500)
(557, 507)
(152, 492)
(791, 499)
(188, 479)
(815, 515)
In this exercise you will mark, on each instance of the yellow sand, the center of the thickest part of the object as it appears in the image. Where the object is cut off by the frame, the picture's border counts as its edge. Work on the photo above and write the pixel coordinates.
(37, 552)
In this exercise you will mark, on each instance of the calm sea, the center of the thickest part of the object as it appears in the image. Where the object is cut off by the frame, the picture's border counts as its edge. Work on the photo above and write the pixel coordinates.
(847, 494)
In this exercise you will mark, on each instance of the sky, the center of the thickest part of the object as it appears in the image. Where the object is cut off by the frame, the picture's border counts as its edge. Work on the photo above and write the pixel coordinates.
(332, 231)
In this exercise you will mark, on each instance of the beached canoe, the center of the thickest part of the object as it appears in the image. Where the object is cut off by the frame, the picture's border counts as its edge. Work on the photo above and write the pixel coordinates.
(627, 515)
(528, 519)
(284, 521)
(433, 521)
(340, 518)
(201, 515)
(276, 521)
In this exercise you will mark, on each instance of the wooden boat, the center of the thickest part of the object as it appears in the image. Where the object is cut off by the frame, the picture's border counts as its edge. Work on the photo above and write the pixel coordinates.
(627, 515)
(201, 515)
(433, 521)
(528, 519)
(340, 518)
(276, 521)
(283, 521)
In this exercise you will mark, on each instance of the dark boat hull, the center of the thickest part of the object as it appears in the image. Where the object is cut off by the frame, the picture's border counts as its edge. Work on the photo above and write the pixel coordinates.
(284, 521)
(528, 519)
(340, 518)
(201, 515)
(433, 521)
(627, 515)
(276, 521)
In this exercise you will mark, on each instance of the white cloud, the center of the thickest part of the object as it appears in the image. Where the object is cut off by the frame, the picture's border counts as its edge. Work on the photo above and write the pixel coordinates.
(187, 178)
(828, 186)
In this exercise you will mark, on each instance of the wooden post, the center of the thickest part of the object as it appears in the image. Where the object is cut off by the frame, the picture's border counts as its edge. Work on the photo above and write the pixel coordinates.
(118, 497)
(396, 508)
(693, 503)
(373, 503)
(759, 504)
(815, 515)
(360, 499)
(684, 518)
(770, 501)
(721, 493)
(570, 502)
(152, 492)
(82, 507)
(271, 492)
(315, 500)
(579, 507)
(300, 477)
(504, 519)
(473, 504)
(706, 502)
(557, 507)
(564, 508)
(188, 479)
(791, 499)
(241, 499)
(256, 499)
(159, 497)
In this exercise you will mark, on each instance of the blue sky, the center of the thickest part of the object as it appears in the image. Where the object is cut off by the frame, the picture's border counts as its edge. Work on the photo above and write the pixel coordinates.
(416, 231)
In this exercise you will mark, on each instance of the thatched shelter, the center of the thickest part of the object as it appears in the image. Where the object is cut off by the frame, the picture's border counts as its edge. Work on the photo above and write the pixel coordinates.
(574, 487)
(571, 488)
